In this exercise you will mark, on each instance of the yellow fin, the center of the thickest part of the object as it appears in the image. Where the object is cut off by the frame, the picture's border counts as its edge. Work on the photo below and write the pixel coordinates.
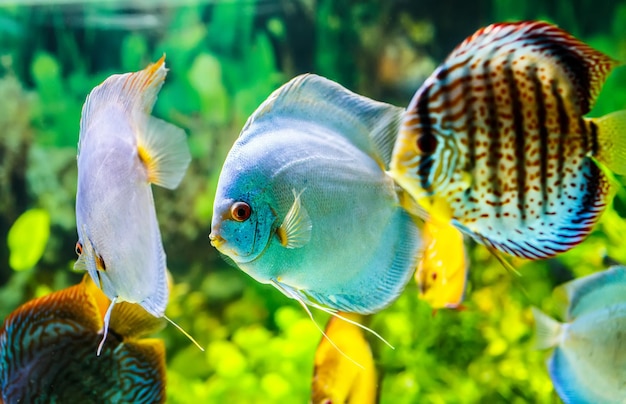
(437, 208)
(442, 271)
(336, 378)
(295, 231)
(612, 141)
(130, 320)
(162, 148)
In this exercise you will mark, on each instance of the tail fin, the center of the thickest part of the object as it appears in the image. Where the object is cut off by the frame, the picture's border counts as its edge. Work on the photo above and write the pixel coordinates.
(612, 141)
(547, 330)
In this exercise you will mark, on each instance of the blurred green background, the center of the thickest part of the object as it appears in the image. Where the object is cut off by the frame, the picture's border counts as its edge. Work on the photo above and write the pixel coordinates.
(225, 58)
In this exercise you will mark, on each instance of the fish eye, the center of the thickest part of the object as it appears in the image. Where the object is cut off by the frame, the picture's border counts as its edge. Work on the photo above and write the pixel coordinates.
(427, 143)
(240, 211)
(78, 248)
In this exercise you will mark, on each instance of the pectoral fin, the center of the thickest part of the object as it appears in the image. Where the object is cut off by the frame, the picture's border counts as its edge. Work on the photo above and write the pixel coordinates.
(162, 148)
(295, 231)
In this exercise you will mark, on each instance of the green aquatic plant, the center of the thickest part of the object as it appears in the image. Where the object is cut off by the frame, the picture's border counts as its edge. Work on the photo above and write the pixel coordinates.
(225, 58)
(27, 239)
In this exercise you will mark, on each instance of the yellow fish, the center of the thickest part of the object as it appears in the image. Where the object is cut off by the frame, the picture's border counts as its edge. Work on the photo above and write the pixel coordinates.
(336, 378)
(442, 272)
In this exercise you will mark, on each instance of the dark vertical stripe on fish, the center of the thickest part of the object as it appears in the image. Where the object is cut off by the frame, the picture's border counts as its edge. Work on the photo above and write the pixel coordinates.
(493, 135)
(470, 119)
(579, 70)
(426, 161)
(518, 128)
(469, 103)
(543, 138)
(564, 129)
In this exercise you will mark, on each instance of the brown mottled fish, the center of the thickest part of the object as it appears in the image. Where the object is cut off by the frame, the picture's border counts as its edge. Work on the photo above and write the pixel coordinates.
(496, 141)
(48, 351)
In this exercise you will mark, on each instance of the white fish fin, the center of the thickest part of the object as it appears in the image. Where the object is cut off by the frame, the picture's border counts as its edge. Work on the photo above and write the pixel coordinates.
(162, 148)
(302, 298)
(594, 291)
(134, 92)
(295, 231)
(547, 330)
(611, 142)
(185, 333)
(370, 125)
(105, 327)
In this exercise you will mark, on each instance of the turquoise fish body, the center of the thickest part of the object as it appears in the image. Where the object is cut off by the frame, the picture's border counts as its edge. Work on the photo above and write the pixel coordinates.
(304, 203)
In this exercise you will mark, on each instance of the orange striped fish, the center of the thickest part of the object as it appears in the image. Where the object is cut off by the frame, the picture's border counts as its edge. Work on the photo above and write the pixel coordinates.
(47, 351)
(495, 140)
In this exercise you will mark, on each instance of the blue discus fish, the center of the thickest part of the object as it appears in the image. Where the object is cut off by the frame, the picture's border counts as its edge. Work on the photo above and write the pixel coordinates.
(303, 201)
(495, 140)
(121, 151)
(47, 351)
(588, 364)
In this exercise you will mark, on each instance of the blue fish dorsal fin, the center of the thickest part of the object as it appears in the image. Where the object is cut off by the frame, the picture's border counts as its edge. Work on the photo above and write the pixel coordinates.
(370, 125)
(595, 291)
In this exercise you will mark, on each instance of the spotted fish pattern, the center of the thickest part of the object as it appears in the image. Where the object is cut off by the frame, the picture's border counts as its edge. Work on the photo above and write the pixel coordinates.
(496, 142)
(47, 352)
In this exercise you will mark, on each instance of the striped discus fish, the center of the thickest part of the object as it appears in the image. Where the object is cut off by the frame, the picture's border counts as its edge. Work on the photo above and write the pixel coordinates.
(47, 351)
(496, 142)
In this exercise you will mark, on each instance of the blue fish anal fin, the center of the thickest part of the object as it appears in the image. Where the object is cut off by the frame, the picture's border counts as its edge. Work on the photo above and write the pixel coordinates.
(105, 327)
(569, 385)
(595, 291)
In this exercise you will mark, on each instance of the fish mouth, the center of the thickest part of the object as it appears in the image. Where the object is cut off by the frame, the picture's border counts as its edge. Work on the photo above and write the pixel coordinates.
(216, 240)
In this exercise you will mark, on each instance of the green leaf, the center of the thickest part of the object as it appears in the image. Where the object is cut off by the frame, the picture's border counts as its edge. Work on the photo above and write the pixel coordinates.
(27, 239)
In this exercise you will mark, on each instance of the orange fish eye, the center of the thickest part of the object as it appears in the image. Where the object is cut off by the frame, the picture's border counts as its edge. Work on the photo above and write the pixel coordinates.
(78, 248)
(427, 143)
(240, 211)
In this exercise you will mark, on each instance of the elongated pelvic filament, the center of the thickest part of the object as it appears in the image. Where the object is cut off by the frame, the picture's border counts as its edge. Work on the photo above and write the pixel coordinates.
(304, 303)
